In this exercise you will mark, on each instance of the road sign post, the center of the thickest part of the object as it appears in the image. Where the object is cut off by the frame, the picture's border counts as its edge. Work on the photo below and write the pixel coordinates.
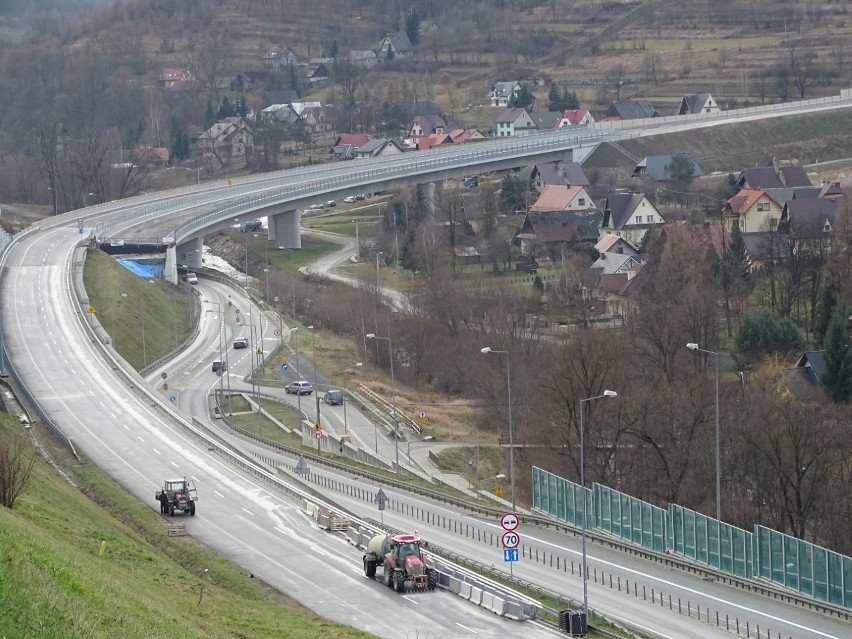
(510, 539)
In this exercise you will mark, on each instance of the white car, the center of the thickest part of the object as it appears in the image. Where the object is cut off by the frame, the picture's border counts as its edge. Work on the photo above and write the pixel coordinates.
(191, 278)
(349, 199)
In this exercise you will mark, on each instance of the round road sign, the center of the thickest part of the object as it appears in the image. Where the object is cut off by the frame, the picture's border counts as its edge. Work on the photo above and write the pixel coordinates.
(284, 367)
(510, 539)
(509, 521)
(422, 414)
(317, 434)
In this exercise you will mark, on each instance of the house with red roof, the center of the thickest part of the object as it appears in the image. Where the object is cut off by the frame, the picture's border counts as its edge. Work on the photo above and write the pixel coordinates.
(353, 139)
(752, 211)
(575, 117)
(563, 198)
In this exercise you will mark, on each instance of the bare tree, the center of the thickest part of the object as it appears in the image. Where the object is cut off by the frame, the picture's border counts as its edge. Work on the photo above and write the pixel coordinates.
(802, 69)
(652, 66)
(16, 466)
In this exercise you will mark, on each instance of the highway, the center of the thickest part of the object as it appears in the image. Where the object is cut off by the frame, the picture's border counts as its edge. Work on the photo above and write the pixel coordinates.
(139, 442)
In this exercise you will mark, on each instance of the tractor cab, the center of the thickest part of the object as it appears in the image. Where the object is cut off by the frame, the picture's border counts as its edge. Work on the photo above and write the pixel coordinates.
(181, 489)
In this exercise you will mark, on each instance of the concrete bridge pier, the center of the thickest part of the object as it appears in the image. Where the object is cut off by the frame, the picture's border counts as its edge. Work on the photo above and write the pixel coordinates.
(187, 253)
(284, 229)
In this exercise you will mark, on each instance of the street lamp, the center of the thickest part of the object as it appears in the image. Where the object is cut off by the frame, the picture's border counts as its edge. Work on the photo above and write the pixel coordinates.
(694, 347)
(316, 390)
(394, 421)
(488, 349)
(378, 283)
(266, 270)
(606, 393)
(343, 392)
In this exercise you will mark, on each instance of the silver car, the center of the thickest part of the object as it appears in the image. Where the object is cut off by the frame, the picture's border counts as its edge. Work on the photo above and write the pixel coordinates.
(299, 388)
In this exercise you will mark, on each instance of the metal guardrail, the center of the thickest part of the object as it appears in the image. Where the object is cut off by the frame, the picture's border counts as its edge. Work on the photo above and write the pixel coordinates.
(401, 418)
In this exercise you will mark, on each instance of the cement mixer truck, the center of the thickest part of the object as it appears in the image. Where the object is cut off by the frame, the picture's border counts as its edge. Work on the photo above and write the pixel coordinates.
(403, 564)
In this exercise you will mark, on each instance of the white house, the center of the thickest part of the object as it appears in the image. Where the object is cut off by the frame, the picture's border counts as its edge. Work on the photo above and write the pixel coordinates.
(502, 92)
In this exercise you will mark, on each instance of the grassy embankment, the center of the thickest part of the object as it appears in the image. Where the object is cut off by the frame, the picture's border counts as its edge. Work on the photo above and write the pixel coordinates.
(55, 583)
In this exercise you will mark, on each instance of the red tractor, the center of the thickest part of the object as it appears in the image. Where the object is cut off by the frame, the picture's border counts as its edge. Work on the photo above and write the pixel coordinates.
(402, 561)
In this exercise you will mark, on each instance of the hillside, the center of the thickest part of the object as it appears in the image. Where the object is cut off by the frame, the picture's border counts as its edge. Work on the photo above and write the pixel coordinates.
(92, 75)
(57, 583)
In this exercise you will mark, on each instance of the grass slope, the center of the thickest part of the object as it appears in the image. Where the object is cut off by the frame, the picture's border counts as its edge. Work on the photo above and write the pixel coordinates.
(55, 584)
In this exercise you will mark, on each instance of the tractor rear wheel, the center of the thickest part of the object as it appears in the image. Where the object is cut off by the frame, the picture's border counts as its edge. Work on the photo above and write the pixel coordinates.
(369, 568)
(432, 575)
(388, 576)
(192, 508)
(399, 581)
(171, 510)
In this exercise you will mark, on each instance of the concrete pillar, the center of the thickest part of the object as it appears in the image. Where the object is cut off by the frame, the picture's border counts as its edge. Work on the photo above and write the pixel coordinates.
(187, 253)
(285, 228)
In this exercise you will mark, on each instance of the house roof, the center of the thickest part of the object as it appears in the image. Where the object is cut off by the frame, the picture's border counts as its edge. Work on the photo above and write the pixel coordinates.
(608, 241)
(619, 207)
(616, 262)
(562, 173)
(556, 197)
(774, 176)
(152, 154)
(631, 109)
(434, 139)
(503, 89)
(694, 102)
(509, 115)
(793, 193)
(429, 123)
(575, 116)
(399, 42)
(657, 166)
(815, 364)
(741, 203)
(355, 139)
(808, 218)
(561, 226)
(371, 146)
(173, 75)
(546, 120)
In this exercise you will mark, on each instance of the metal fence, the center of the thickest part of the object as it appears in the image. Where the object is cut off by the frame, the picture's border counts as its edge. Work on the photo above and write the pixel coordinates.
(765, 554)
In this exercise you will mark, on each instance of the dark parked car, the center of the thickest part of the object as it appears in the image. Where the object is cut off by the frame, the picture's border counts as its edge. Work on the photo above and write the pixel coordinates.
(219, 366)
(333, 396)
(241, 342)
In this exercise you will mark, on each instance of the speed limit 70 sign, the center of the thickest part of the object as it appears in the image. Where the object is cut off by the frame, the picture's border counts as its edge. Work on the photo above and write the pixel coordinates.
(510, 540)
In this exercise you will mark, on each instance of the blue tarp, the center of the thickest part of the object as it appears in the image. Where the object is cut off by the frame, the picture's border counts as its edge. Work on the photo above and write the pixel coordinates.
(146, 269)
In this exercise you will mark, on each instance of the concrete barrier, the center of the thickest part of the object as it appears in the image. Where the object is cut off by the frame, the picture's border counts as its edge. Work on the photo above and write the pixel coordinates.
(464, 590)
(476, 595)
(498, 605)
(454, 585)
(486, 600)
(514, 610)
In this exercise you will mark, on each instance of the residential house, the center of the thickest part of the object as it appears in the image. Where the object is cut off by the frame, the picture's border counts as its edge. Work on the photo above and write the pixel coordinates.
(280, 57)
(809, 220)
(281, 113)
(459, 136)
(804, 379)
(151, 156)
(436, 139)
(656, 167)
(466, 255)
(609, 279)
(610, 243)
(318, 73)
(377, 147)
(563, 198)
(631, 216)
(546, 120)
(752, 211)
(394, 46)
(343, 152)
(697, 103)
(503, 92)
(773, 174)
(557, 174)
(365, 58)
(175, 80)
(425, 125)
(556, 233)
(514, 122)
(317, 118)
(246, 81)
(575, 117)
(228, 138)
(630, 110)
(353, 139)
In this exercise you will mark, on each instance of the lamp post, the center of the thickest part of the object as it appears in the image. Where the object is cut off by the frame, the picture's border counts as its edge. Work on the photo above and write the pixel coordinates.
(378, 283)
(266, 270)
(394, 422)
(488, 349)
(694, 347)
(219, 330)
(316, 390)
(606, 393)
(343, 392)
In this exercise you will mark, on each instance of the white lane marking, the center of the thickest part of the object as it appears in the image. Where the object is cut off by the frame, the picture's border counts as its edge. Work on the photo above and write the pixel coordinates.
(461, 625)
(126, 427)
(157, 451)
(416, 603)
(247, 511)
(193, 478)
(139, 438)
(220, 494)
(283, 532)
(174, 464)
(319, 551)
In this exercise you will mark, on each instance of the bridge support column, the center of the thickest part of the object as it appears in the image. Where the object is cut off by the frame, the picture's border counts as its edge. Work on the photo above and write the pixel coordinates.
(187, 253)
(284, 229)
(432, 192)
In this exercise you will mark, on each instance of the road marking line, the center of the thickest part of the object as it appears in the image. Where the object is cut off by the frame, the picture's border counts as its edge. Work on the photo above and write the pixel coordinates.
(174, 464)
(248, 511)
(466, 628)
(220, 494)
(157, 451)
(417, 603)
